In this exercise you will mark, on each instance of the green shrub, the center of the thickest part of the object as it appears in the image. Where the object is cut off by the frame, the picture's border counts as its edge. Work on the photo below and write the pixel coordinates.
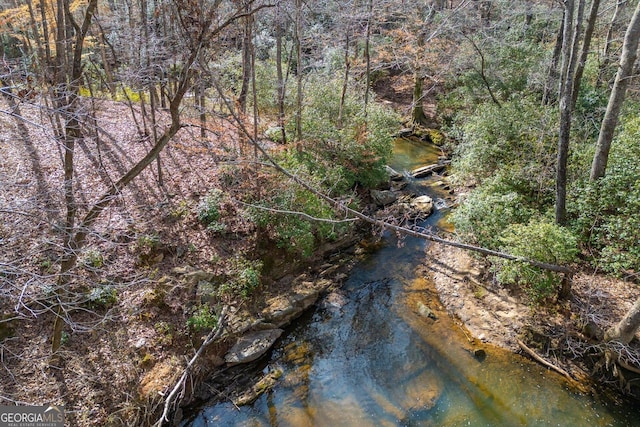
(489, 210)
(346, 153)
(539, 240)
(203, 318)
(520, 136)
(209, 210)
(244, 277)
(92, 259)
(606, 213)
(102, 297)
(295, 233)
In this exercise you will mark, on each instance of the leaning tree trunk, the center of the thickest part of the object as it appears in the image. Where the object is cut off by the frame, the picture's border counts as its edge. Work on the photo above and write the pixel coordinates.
(625, 330)
(616, 99)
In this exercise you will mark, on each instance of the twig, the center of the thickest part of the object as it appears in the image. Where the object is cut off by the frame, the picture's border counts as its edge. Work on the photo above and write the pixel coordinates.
(171, 398)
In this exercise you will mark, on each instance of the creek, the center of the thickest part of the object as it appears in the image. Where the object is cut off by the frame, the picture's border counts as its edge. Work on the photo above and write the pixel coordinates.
(369, 355)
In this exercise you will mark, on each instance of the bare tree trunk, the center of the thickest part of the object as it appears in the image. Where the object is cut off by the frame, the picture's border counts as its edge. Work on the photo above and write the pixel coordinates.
(625, 330)
(616, 99)
(606, 54)
(298, 32)
(367, 55)
(202, 106)
(586, 45)
(67, 98)
(246, 60)
(281, 83)
(345, 80)
(553, 76)
(569, 59)
(417, 110)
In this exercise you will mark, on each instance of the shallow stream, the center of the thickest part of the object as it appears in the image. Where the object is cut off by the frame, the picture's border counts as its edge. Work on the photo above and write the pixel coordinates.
(369, 355)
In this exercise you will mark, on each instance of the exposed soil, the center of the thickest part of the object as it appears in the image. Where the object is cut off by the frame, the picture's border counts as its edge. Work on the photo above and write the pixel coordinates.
(562, 333)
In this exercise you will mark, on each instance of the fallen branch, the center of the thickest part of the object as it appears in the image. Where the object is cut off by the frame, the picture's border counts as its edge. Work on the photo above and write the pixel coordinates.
(542, 361)
(172, 399)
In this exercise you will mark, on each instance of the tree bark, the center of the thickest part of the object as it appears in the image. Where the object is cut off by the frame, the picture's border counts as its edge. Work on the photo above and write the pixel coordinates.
(298, 33)
(616, 99)
(367, 56)
(572, 29)
(553, 76)
(586, 45)
(625, 330)
(281, 83)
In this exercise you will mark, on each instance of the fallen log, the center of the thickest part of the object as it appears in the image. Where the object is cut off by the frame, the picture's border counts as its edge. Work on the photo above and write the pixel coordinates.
(542, 361)
(424, 171)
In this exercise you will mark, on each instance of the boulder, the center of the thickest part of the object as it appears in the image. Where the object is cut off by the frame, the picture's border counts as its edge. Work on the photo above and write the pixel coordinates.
(251, 346)
(423, 205)
(393, 174)
(384, 197)
(282, 310)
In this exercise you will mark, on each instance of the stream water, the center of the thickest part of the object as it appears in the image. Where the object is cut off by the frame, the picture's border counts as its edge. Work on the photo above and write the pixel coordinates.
(368, 356)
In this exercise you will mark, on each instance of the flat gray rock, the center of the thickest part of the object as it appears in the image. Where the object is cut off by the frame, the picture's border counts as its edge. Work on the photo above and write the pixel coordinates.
(251, 346)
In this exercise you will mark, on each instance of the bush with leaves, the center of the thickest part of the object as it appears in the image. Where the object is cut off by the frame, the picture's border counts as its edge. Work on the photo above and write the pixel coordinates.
(350, 151)
(490, 209)
(295, 233)
(243, 278)
(606, 213)
(209, 210)
(541, 240)
(519, 136)
(203, 318)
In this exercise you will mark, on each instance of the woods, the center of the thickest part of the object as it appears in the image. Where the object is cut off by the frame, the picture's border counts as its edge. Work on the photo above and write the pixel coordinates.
(235, 137)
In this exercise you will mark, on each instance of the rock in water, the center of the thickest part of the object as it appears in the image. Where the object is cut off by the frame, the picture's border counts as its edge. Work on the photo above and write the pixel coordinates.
(252, 346)
(393, 174)
(383, 198)
(265, 384)
(423, 205)
(426, 311)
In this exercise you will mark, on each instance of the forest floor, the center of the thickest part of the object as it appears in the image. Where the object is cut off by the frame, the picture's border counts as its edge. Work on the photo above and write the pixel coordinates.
(127, 337)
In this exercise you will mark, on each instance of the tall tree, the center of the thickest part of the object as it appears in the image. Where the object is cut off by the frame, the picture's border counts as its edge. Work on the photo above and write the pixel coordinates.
(584, 53)
(572, 29)
(616, 99)
(299, 69)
